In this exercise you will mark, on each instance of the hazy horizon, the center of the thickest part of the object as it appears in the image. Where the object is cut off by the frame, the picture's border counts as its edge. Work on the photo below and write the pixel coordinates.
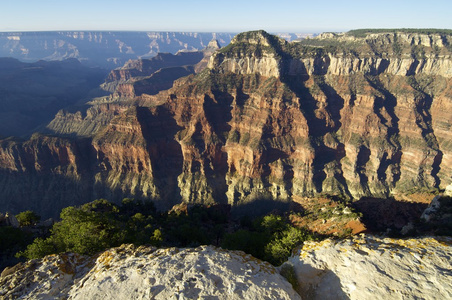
(230, 16)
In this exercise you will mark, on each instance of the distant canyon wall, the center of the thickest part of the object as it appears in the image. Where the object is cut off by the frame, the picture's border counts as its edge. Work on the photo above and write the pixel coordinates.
(106, 49)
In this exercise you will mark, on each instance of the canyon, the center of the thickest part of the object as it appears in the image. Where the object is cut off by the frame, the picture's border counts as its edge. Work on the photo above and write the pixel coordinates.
(32, 93)
(105, 49)
(266, 121)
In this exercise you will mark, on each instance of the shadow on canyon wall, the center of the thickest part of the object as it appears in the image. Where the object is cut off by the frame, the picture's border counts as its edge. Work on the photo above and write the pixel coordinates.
(382, 214)
(260, 207)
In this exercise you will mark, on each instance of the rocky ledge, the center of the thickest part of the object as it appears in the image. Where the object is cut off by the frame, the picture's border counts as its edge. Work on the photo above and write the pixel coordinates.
(146, 273)
(363, 267)
(367, 267)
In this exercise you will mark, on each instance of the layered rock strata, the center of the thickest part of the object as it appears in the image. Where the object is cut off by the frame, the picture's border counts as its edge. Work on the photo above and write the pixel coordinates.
(272, 120)
(136, 78)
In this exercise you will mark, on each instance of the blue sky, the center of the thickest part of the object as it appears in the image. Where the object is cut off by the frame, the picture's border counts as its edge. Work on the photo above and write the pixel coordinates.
(224, 16)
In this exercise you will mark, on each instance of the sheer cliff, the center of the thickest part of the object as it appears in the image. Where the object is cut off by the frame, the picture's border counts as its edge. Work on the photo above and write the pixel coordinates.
(343, 114)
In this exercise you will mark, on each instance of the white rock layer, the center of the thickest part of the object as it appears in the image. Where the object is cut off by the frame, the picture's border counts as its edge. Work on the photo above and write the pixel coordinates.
(367, 267)
(145, 273)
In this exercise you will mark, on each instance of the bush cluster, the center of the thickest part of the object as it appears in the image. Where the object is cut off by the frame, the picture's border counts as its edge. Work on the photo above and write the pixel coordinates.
(99, 225)
(270, 238)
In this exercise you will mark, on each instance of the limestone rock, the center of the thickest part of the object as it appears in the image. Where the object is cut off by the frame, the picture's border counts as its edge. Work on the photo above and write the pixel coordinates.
(367, 267)
(213, 45)
(49, 278)
(448, 191)
(146, 273)
(9, 220)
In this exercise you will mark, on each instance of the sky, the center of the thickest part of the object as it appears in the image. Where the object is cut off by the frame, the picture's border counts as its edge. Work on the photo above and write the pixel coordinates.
(313, 16)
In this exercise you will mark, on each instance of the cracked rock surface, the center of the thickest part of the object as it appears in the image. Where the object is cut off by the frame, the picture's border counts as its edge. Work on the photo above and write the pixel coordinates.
(368, 267)
(146, 273)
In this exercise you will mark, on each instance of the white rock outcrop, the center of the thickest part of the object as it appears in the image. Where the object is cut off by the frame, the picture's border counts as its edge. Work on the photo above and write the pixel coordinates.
(362, 267)
(367, 267)
(448, 191)
(146, 273)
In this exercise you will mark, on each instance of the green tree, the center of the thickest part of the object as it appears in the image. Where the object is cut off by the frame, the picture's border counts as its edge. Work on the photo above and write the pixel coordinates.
(39, 248)
(28, 218)
(85, 230)
(280, 248)
(157, 238)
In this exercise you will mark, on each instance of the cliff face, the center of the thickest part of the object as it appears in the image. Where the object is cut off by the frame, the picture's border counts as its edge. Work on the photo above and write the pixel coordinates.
(45, 174)
(268, 119)
(294, 120)
(146, 67)
(135, 79)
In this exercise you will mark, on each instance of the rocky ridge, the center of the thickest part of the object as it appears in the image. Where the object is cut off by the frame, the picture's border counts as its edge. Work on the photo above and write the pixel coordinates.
(145, 272)
(135, 79)
(272, 120)
(362, 267)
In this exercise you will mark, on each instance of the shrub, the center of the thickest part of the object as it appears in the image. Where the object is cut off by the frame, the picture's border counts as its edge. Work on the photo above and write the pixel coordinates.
(39, 248)
(28, 218)
(271, 238)
(84, 230)
(280, 248)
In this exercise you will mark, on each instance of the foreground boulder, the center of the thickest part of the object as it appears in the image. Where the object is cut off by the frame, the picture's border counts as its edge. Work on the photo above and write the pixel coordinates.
(368, 267)
(146, 273)
(363, 267)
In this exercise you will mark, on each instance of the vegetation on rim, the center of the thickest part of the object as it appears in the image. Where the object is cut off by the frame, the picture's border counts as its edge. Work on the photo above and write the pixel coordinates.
(99, 225)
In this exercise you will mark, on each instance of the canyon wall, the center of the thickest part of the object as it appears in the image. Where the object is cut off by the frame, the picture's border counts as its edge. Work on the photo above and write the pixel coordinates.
(278, 121)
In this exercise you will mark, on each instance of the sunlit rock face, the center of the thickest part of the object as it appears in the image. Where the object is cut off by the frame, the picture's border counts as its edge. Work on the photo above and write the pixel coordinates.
(147, 273)
(367, 267)
(271, 120)
(363, 267)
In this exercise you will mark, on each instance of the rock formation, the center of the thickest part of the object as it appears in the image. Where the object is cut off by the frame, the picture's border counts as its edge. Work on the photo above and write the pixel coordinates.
(147, 67)
(136, 78)
(271, 120)
(367, 267)
(364, 267)
(147, 273)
